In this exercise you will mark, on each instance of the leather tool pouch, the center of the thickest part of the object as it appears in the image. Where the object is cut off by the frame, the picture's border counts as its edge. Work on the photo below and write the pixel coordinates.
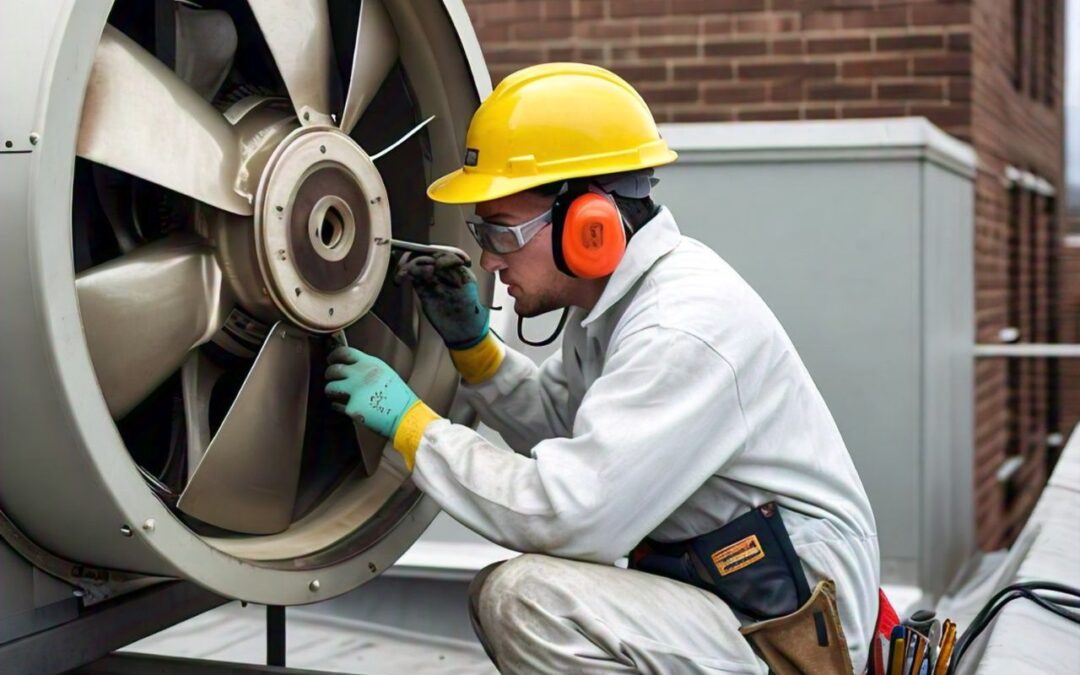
(751, 565)
(749, 562)
(811, 640)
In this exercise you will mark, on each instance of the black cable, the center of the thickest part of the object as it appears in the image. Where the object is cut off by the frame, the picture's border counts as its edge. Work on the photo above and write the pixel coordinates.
(1006, 595)
(551, 338)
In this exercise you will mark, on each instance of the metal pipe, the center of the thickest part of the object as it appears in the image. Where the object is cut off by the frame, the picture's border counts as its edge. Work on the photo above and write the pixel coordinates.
(1030, 350)
(431, 248)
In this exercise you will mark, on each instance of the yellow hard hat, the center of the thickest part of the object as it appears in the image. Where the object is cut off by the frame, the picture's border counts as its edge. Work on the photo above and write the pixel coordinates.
(548, 123)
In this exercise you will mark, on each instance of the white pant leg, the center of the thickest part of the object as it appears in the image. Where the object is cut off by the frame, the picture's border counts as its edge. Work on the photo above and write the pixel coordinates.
(539, 614)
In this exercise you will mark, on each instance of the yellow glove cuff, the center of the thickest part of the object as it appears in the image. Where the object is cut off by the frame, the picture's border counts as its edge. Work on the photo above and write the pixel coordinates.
(411, 429)
(479, 362)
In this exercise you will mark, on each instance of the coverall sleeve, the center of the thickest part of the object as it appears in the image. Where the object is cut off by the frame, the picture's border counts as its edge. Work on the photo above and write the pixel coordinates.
(524, 402)
(661, 419)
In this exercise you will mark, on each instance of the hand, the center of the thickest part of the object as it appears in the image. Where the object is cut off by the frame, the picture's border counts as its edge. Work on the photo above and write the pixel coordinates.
(367, 390)
(449, 297)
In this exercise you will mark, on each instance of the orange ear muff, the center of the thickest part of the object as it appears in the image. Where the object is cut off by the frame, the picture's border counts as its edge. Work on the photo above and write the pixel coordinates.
(591, 240)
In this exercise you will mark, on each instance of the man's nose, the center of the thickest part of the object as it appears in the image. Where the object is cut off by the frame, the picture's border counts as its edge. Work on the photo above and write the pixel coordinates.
(491, 262)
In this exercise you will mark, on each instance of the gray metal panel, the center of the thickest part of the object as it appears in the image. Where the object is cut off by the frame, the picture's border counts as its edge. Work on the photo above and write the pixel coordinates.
(832, 248)
(947, 517)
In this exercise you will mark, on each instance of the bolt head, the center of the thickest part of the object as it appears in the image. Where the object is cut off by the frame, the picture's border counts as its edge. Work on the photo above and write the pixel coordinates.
(149, 525)
(125, 530)
(314, 585)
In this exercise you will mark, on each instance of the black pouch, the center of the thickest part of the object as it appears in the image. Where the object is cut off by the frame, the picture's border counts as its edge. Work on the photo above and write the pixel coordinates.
(749, 563)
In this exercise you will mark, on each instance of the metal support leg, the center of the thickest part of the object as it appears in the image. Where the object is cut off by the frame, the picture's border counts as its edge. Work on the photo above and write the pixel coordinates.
(275, 635)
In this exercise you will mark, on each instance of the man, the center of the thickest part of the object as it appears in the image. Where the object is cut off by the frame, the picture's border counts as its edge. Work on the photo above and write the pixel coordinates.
(676, 404)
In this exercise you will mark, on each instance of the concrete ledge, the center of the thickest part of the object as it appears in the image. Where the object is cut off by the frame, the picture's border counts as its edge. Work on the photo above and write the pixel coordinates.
(1027, 638)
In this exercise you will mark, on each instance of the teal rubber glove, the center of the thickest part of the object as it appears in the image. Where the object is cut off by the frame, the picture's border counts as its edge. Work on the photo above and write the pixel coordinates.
(367, 390)
(449, 297)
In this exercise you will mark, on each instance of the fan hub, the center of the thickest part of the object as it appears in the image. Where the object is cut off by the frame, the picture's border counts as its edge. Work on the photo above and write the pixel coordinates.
(322, 226)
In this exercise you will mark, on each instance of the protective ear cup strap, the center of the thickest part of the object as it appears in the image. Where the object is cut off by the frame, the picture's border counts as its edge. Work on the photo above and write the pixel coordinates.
(593, 237)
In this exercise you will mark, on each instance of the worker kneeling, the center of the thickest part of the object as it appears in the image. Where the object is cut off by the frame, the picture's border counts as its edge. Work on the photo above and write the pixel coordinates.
(676, 426)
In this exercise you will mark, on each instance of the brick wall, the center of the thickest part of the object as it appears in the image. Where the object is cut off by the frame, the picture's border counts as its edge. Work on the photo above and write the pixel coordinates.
(953, 62)
(696, 60)
(1018, 239)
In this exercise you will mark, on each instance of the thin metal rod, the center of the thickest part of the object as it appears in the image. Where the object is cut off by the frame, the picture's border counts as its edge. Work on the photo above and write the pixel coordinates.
(1030, 350)
(430, 248)
(275, 635)
(401, 140)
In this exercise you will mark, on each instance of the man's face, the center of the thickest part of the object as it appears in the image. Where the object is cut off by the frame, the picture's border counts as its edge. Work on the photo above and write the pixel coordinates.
(534, 281)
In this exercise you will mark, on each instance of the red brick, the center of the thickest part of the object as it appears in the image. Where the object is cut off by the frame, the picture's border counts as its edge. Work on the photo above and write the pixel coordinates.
(735, 93)
(668, 93)
(959, 88)
(786, 46)
(944, 116)
(838, 91)
(949, 64)
(626, 8)
(837, 45)
(872, 67)
(703, 72)
(605, 29)
(905, 91)
(542, 30)
(736, 48)
(641, 72)
(889, 43)
(940, 14)
(876, 18)
(820, 113)
(862, 111)
(959, 42)
(786, 70)
(668, 51)
(766, 23)
(787, 91)
(714, 6)
(702, 114)
(766, 115)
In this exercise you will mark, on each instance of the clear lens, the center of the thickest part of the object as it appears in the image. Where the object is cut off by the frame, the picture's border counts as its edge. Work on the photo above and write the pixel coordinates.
(499, 238)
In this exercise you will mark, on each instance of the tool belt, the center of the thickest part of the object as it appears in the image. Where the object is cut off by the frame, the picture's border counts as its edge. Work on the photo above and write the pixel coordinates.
(752, 566)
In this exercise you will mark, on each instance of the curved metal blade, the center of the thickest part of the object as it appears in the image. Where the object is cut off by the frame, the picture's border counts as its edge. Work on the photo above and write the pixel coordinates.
(246, 481)
(298, 34)
(144, 311)
(374, 337)
(205, 45)
(375, 53)
(141, 118)
(198, 377)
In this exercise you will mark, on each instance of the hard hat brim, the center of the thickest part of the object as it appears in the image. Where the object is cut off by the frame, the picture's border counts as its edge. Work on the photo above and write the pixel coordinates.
(471, 187)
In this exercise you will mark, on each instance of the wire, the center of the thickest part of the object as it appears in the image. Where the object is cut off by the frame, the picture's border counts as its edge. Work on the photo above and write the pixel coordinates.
(1006, 595)
(551, 338)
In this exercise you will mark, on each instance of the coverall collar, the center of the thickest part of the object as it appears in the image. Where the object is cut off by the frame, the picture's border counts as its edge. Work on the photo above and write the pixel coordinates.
(655, 239)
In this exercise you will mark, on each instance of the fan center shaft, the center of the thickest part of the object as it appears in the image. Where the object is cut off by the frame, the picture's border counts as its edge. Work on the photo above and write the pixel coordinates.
(322, 224)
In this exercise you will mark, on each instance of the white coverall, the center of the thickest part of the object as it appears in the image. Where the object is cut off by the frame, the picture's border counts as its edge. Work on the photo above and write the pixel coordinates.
(676, 404)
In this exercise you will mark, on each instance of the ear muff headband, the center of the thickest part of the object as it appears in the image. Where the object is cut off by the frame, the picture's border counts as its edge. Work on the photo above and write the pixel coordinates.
(588, 238)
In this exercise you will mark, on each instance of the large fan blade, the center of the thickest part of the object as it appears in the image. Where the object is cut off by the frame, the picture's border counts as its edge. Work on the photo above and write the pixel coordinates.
(370, 335)
(298, 34)
(375, 53)
(205, 45)
(141, 118)
(198, 377)
(374, 337)
(144, 311)
(246, 481)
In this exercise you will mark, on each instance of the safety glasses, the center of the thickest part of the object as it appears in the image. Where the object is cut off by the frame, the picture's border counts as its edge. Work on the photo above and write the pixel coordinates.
(498, 238)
